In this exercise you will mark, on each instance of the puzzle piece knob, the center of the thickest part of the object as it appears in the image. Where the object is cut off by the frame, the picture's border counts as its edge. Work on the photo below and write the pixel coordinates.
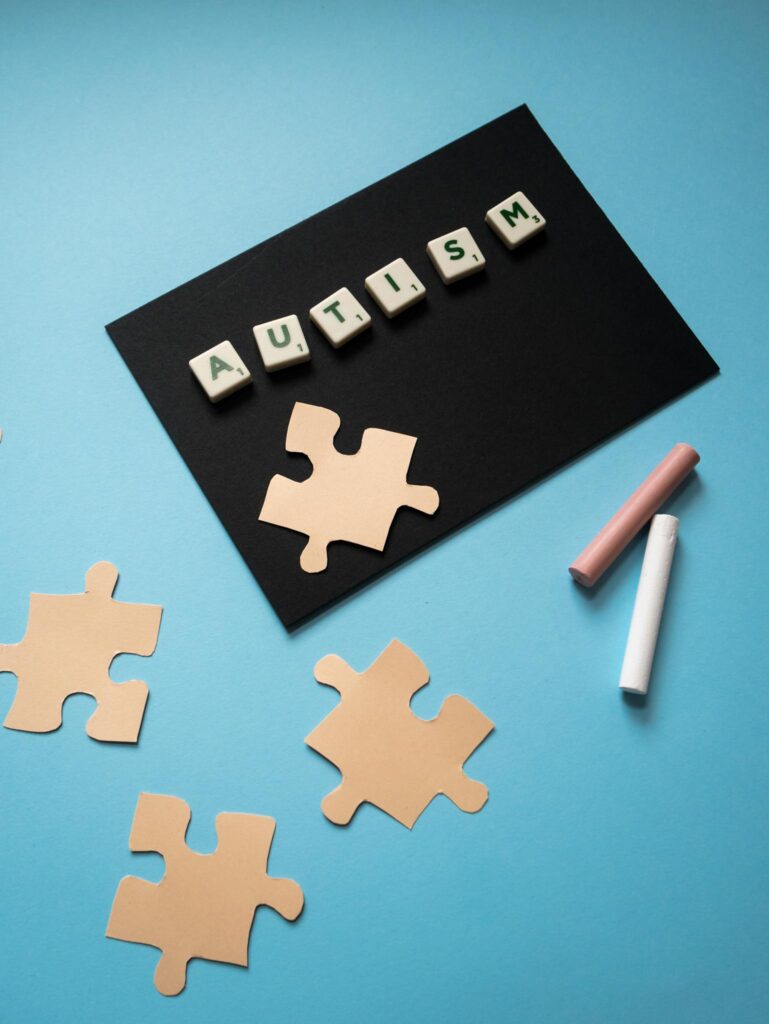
(340, 804)
(468, 794)
(171, 974)
(334, 671)
(314, 558)
(101, 578)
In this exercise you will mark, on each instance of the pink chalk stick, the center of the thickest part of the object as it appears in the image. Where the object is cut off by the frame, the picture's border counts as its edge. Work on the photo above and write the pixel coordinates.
(637, 510)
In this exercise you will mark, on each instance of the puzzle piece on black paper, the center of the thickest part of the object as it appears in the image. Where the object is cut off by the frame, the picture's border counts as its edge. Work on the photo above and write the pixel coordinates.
(504, 378)
(204, 905)
(347, 497)
(387, 755)
(70, 642)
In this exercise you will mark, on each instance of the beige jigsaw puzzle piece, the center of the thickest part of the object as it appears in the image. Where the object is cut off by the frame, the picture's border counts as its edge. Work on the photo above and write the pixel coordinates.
(204, 905)
(352, 498)
(70, 642)
(386, 754)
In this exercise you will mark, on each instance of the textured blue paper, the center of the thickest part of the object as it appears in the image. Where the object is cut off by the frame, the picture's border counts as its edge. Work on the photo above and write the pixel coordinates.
(618, 872)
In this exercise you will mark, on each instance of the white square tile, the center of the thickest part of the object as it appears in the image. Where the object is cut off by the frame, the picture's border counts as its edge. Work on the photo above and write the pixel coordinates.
(395, 287)
(220, 371)
(281, 343)
(515, 220)
(456, 255)
(340, 317)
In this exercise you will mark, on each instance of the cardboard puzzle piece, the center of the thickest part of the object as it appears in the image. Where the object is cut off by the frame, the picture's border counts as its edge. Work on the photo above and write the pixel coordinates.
(69, 645)
(204, 905)
(386, 754)
(347, 497)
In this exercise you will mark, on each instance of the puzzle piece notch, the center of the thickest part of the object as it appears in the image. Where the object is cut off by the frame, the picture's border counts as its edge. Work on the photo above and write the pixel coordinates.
(204, 905)
(387, 755)
(70, 643)
(350, 498)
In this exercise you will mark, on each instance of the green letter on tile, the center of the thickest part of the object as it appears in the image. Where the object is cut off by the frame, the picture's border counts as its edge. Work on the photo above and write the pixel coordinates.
(456, 252)
(394, 283)
(333, 309)
(217, 366)
(274, 340)
(515, 211)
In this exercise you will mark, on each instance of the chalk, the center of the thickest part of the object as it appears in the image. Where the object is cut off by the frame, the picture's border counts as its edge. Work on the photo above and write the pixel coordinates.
(637, 510)
(649, 602)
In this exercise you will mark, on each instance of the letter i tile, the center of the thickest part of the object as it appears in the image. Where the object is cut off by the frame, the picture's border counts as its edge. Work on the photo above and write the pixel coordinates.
(395, 287)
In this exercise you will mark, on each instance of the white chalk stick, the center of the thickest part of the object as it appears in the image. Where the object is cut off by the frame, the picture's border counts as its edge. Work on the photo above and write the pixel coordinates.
(649, 602)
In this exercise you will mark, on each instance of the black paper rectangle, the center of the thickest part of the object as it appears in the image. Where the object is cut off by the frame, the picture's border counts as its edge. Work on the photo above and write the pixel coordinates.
(503, 377)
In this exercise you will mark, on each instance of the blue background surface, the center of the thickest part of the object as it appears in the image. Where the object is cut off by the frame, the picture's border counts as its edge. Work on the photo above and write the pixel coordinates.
(619, 870)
